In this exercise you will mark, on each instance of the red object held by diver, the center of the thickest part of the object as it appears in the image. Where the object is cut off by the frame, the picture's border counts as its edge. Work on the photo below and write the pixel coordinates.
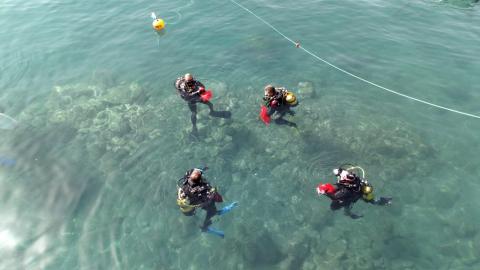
(325, 188)
(206, 95)
(217, 197)
(264, 115)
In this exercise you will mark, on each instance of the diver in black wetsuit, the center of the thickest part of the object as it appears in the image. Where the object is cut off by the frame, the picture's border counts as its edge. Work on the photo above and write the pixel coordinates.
(190, 90)
(348, 190)
(278, 100)
(195, 192)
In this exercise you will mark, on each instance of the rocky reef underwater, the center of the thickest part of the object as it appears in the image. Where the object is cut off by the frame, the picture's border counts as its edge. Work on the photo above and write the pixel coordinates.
(119, 150)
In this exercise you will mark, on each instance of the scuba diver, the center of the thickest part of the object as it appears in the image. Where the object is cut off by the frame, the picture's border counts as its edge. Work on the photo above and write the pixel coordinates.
(193, 92)
(193, 191)
(349, 189)
(278, 100)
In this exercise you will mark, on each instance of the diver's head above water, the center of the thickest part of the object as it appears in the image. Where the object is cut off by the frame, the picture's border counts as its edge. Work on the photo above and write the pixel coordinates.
(189, 80)
(188, 77)
(269, 90)
(196, 175)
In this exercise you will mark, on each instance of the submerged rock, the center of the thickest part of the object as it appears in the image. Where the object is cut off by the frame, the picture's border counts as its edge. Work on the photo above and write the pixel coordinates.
(261, 250)
(106, 119)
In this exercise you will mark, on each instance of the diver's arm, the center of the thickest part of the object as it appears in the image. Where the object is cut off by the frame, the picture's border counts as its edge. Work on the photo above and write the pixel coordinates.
(181, 194)
(340, 195)
(208, 187)
(185, 190)
(270, 111)
(177, 83)
(199, 85)
(266, 101)
(192, 94)
(210, 191)
(181, 88)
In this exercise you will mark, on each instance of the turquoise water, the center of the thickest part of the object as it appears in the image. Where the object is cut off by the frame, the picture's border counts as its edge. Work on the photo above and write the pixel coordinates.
(102, 137)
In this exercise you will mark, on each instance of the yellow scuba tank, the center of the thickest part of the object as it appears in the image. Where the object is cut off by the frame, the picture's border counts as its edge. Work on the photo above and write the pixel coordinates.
(367, 191)
(291, 99)
(185, 207)
(184, 203)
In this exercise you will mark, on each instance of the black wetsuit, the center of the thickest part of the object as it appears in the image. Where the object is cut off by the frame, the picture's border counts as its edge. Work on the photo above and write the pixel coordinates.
(190, 93)
(349, 192)
(344, 197)
(199, 193)
(281, 107)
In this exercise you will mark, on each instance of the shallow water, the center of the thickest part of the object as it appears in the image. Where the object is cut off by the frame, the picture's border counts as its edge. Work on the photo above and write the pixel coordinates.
(99, 136)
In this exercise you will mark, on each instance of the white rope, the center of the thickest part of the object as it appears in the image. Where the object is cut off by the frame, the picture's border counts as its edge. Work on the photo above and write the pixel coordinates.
(351, 74)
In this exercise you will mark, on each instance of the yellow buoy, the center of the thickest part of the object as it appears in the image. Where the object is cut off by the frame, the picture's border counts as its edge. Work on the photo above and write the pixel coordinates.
(158, 24)
(291, 99)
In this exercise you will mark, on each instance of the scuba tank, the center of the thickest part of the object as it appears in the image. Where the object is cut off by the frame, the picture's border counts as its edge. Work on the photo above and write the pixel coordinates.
(291, 99)
(184, 206)
(367, 191)
(184, 203)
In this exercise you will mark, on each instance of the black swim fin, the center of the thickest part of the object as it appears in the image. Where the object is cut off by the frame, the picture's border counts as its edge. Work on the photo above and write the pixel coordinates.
(384, 201)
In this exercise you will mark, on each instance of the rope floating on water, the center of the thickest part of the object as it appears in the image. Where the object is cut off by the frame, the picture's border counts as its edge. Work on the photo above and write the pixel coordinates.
(349, 73)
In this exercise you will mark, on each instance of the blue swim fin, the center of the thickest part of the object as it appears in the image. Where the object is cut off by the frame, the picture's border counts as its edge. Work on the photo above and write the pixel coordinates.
(216, 232)
(227, 208)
